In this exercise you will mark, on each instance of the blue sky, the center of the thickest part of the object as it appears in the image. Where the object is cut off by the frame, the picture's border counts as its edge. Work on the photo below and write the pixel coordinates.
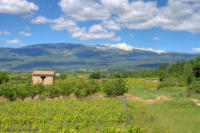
(169, 25)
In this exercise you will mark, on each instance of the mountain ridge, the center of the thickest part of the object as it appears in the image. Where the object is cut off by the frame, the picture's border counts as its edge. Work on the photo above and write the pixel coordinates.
(83, 57)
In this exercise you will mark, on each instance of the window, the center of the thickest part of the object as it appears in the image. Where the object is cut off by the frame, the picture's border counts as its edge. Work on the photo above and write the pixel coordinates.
(43, 78)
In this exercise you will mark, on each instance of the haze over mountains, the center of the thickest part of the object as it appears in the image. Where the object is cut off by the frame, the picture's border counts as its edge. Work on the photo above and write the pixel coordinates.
(81, 57)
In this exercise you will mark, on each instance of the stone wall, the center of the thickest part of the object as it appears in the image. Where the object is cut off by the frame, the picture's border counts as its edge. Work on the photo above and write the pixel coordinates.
(47, 81)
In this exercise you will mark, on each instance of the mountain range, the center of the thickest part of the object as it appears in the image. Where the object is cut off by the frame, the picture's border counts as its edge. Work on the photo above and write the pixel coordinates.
(82, 57)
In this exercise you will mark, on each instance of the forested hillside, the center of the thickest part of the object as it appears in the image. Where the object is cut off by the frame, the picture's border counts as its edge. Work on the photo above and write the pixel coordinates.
(80, 57)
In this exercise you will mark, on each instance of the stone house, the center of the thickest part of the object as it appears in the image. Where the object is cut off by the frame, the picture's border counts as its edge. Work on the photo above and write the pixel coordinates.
(45, 77)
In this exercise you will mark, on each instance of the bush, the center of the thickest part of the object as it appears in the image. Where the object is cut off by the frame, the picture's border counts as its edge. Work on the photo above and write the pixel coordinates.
(194, 87)
(161, 75)
(3, 77)
(84, 88)
(66, 88)
(95, 75)
(22, 91)
(63, 76)
(116, 75)
(114, 87)
(52, 91)
(36, 89)
(9, 91)
(166, 84)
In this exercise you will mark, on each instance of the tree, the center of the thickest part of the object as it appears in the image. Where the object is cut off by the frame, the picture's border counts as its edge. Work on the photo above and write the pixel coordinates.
(63, 76)
(197, 71)
(66, 88)
(188, 74)
(80, 88)
(116, 75)
(115, 87)
(36, 89)
(52, 91)
(84, 88)
(22, 91)
(161, 75)
(95, 75)
(194, 87)
(9, 91)
(3, 77)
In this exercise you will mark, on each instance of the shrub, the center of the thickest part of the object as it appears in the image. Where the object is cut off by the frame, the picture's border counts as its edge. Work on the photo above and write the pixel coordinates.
(52, 91)
(84, 88)
(66, 88)
(194, 87)
(9, 91)
(63, 76)
(161, 75)
(80, 89)
(93, 87)
(114, 87)
(166, 84)
(116, 75)
(36, 89)
(22, 91)
(3, 77)
(95, 75)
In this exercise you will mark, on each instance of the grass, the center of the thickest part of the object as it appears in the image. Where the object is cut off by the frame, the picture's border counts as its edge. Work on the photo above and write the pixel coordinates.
(138, 82)
(180, 115)
(147, 93)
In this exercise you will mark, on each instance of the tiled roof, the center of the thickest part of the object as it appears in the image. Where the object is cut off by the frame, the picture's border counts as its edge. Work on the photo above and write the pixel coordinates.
(50, 73)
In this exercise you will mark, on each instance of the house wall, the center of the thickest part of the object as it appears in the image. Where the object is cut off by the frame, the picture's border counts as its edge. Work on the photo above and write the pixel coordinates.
(47, 81)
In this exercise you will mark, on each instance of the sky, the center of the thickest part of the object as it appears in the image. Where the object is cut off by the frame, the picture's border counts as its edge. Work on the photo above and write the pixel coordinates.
(169, 25)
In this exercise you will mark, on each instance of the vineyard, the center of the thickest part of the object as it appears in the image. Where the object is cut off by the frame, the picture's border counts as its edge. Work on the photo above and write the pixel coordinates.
(60, 116)
(80, 104)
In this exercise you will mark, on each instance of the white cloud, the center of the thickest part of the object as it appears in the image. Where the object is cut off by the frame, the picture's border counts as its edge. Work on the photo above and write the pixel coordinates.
(63, 24)
(110, 24)
(156, 38)
(95, 31)
(117, 39)
(113, 15)
(116, 6)
(25, 33)
(14, 41)
(17, 7)
(84, 10)
(96, 28)
(40, 20)
(196, 50)
(180, 15)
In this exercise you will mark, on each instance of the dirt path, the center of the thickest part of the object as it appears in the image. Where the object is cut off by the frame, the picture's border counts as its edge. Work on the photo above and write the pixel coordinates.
(148, 101)
(196, 101)
(101, 96)
(136, 98)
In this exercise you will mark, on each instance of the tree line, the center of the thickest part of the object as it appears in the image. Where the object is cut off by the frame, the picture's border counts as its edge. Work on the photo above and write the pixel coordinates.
(79, 87)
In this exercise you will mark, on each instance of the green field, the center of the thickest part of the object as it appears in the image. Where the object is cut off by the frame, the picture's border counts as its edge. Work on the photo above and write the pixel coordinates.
(101, 115)
(71, 115)
(105, 115)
